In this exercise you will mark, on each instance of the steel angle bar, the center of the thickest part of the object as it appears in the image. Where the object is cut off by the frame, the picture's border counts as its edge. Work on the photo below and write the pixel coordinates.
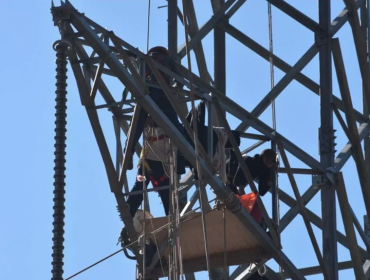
(301, 171)
(342, 123)
(346, 152)
(356, 143)
(254, 136)
(317, 270)
(190, 203)
(198, 48)
(303, 211)
(125, 127)
(119, 153)
(234, 8)
(316, 220)
(361, 48)
(360, 230)
(294, 210)
(302, 62)
(206, 28)
(348, 226)
(97, 79)
(172, 26)
(285, 67)
(253, 147)
(366, 268)
(297, 15)
(129, 144)
(326, 141)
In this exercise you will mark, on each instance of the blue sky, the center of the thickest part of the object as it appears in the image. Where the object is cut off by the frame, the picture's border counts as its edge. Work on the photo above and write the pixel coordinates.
(92, 223)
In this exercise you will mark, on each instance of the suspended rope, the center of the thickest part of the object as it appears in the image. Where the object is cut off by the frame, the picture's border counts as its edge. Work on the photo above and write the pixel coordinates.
(196, 143)
(273, 107)
(145, 195)
(148, 30)
(96, 263)
(177, 214)
(225, 247)
(145, 201)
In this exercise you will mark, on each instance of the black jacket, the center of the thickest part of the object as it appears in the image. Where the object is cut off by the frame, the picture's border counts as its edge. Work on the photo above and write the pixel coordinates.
(259, 171)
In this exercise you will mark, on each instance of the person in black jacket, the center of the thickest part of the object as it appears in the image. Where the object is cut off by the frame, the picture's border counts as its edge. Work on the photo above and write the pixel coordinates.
(260, 168)
(162, 56)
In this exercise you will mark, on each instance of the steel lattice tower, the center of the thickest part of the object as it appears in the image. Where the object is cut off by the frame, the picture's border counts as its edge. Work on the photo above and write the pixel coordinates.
(112, 55)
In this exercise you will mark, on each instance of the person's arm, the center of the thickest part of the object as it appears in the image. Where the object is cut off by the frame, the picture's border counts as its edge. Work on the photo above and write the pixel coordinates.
(264, 182)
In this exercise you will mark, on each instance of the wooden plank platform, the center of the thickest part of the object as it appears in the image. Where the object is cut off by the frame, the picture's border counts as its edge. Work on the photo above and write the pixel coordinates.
(241, 246)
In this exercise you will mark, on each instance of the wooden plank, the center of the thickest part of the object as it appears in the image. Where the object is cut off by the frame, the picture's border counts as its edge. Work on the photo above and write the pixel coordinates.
(241, 246)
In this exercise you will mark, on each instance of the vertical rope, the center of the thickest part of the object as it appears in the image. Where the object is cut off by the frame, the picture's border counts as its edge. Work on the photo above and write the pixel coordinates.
(148, 30)
(273, 107)
(145, 197)
(196, 143)
(177, 215)
(143, 163)
(225, 247)
(61, 47)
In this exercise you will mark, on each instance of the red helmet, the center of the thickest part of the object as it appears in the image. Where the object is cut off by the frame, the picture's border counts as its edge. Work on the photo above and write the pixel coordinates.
(160, 50)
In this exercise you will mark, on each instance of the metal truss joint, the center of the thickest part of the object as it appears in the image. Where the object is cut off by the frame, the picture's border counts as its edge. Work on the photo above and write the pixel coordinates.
(60, 15)
(327, 140)
(223, 22)
(322, 38)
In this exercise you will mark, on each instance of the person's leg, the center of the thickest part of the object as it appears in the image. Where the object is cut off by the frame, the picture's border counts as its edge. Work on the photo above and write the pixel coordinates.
(134, 201)
(160, 98)
(165, 196)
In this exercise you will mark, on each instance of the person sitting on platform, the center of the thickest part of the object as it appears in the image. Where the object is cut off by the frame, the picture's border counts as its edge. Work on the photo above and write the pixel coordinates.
(260, 168)
(161, 55)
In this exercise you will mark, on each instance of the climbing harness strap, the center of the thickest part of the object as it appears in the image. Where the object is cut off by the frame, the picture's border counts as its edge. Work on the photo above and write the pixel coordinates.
(144, 153)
